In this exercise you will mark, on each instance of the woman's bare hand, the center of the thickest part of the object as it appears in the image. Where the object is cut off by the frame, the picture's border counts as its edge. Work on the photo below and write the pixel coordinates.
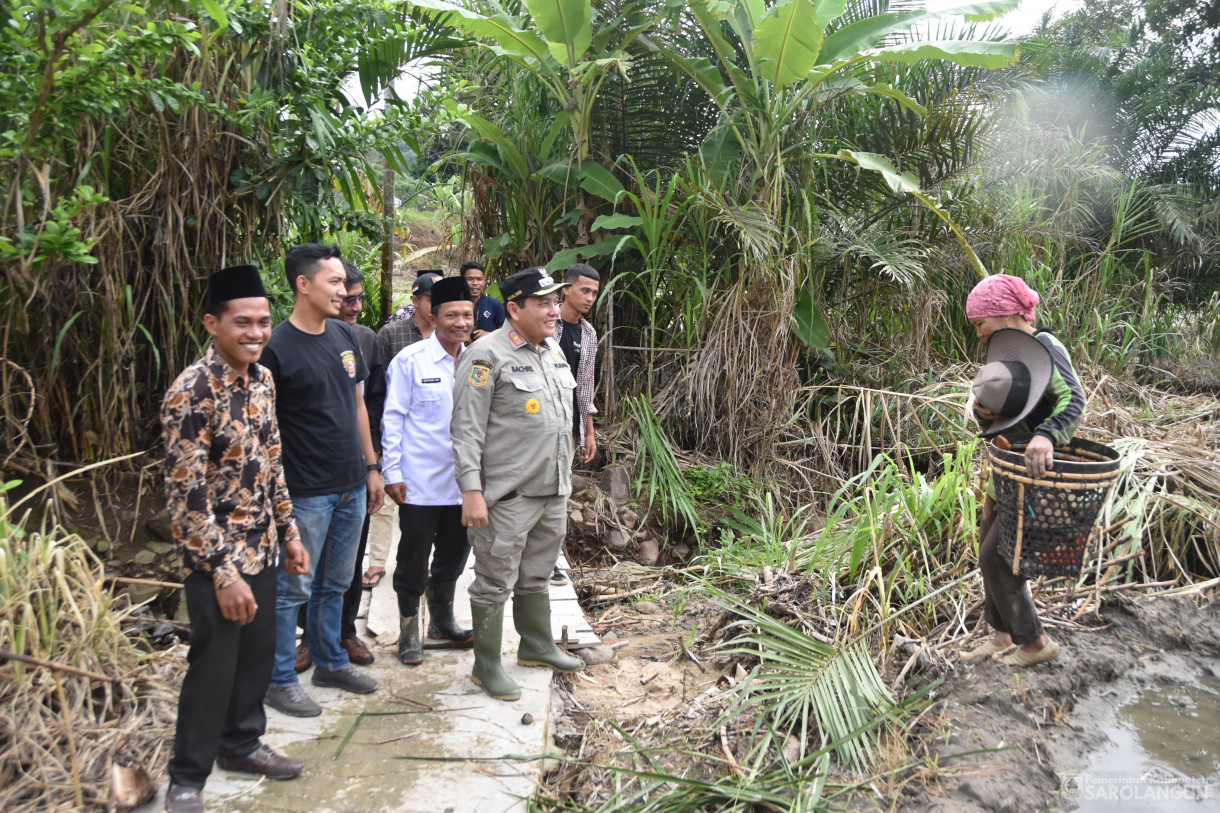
(1039, 456)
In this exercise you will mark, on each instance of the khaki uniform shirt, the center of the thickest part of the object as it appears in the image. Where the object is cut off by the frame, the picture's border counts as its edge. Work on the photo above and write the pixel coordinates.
(512, 417)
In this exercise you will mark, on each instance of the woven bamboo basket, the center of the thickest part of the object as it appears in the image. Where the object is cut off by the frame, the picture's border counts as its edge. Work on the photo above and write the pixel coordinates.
(1046, 524)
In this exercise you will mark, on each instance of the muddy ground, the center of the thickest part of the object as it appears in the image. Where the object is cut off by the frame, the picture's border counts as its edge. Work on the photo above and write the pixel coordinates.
(1032, 713)
(992, 739)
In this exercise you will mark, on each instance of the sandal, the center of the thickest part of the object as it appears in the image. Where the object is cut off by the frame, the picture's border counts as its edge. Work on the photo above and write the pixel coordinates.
(1019, 657)
(372, 577)
(987, 650)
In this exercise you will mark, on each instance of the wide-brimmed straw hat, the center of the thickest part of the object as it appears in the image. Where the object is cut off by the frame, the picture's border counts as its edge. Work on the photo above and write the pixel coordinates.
(1014, 379)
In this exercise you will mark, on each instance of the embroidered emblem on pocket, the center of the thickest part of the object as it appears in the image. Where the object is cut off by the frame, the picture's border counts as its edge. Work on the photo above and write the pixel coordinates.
(532, 406)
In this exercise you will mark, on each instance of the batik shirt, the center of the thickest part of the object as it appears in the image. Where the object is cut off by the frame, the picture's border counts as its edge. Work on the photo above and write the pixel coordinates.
(228, 502)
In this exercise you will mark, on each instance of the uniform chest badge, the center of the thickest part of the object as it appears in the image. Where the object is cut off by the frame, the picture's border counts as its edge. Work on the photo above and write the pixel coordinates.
(515, 338)
(479, 375)
(532, 406)
(349, 362)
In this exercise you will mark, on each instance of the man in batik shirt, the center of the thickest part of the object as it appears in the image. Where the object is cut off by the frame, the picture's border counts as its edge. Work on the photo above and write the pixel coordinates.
(231, 514)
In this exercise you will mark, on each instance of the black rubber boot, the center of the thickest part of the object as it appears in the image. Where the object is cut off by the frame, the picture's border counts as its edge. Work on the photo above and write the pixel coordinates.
(409, 650)
(442, 626)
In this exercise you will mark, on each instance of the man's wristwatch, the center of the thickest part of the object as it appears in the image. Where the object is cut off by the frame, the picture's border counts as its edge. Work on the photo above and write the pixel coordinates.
(373, 466)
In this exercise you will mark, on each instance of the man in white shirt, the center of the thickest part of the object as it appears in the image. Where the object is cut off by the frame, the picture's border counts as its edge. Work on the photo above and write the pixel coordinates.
(419, 471)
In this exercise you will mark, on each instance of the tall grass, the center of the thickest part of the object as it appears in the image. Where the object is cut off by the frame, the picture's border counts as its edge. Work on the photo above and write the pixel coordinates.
(62, 731)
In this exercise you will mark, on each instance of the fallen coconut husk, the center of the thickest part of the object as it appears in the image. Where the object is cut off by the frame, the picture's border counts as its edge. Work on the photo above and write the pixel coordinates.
(131, 786)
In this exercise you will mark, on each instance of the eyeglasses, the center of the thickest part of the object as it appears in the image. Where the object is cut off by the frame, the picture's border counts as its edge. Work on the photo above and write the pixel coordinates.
(352, 301)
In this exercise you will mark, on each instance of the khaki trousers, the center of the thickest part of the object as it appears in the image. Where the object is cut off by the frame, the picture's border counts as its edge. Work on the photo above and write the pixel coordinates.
(381, 526)
(516, 551)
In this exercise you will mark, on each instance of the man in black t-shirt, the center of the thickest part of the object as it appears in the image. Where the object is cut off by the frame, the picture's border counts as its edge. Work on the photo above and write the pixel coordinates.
(578, 341)
(330, 466)
(374, 400)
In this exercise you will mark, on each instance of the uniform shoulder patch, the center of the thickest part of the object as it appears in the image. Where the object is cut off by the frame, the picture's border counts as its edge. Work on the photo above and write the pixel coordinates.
(515, 338)
(480, 373)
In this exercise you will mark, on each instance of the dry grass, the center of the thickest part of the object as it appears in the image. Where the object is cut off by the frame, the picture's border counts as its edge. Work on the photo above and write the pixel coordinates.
(60, 730)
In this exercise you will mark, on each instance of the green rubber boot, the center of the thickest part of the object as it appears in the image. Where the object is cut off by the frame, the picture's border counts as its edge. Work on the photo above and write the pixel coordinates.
(532, 616)
(488, 672)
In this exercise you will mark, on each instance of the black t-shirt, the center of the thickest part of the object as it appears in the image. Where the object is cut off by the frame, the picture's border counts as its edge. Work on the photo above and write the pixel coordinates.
(315, 402)
(569, 343)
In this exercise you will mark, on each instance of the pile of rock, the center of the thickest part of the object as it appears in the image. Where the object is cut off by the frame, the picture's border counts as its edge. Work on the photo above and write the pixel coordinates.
(604, 515)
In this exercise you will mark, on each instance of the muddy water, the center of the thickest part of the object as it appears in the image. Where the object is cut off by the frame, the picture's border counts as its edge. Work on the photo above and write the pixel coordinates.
(1162, 750)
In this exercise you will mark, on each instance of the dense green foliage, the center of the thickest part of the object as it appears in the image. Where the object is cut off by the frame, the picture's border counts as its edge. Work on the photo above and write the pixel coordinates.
(805, 188)
(142, 147)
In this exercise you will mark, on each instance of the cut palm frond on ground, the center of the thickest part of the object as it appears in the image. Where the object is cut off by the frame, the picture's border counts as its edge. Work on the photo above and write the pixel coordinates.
(810, 687)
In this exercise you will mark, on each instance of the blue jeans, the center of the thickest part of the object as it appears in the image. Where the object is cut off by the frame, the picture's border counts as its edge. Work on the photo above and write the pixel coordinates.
(330, 530)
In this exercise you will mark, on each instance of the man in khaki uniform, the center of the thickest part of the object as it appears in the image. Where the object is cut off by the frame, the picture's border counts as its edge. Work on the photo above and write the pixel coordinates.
(512, 448)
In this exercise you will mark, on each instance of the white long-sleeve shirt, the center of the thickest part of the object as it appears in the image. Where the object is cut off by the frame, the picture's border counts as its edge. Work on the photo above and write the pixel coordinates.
(415, 442)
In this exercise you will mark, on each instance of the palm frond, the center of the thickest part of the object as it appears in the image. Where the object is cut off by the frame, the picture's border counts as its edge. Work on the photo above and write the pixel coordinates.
(885, 251)
(809, 685)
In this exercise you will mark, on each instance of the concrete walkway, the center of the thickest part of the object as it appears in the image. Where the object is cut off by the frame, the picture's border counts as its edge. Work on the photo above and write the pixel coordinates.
(429, 740)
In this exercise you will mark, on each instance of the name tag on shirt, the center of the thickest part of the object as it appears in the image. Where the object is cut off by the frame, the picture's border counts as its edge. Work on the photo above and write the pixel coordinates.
(430, 381)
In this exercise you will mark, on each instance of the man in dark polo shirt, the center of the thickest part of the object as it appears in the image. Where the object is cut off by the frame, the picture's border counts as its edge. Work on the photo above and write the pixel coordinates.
(331, 468)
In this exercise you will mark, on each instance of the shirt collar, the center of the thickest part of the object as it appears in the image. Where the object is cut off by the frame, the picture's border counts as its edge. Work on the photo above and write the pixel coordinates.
(222, 370)
(510, 330)
(437, 350)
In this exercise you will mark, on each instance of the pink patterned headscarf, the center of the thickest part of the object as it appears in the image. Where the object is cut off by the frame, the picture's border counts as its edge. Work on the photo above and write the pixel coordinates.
(1002, 295)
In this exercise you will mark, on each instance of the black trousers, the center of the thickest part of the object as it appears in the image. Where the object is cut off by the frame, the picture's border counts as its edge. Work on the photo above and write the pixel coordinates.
(220, 708)
(1008, 605)
(424, 527)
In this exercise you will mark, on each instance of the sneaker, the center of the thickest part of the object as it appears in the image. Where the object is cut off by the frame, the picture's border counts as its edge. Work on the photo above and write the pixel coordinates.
(558, 578)
(292, 700)
(346, 678)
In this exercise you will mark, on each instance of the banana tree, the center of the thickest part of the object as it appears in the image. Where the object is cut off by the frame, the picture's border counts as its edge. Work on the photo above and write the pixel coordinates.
(562, 48)
(774, 63)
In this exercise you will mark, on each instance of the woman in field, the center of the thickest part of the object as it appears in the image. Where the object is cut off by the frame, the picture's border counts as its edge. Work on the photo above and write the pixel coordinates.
(1028, 385)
